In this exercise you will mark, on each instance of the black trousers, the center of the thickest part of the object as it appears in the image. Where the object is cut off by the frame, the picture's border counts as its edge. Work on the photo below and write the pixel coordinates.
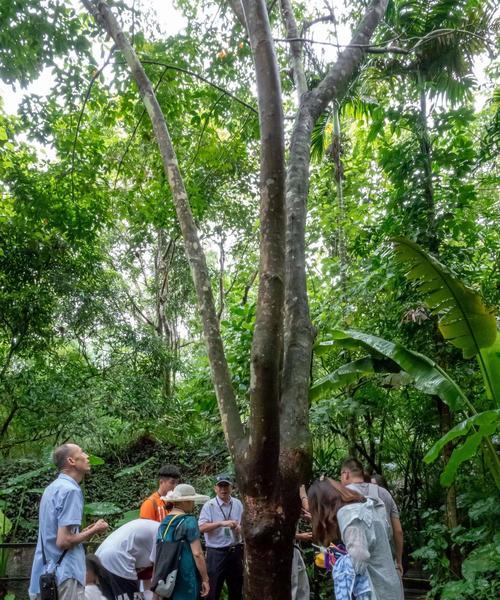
(225, 565)
(115, 587)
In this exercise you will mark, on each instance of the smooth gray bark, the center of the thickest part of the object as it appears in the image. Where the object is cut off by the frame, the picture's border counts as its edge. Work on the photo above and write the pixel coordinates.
(296, 58)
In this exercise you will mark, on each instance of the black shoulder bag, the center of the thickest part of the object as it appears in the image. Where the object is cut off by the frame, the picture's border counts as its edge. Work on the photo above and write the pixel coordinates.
(168, 556)
(48, 581)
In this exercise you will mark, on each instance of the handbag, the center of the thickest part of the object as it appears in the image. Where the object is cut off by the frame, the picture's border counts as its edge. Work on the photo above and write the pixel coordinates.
(168, 556)
(48, 581)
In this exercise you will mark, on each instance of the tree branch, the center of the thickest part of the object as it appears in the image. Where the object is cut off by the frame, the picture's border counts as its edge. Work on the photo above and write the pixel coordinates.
(366, 47)
(340, 74)
(237, 8)
(248, 287)
(308, 24)
(267, 339)
(148, 61)
(299, 332)
(231, 422)
(80, 117)
(132, 136)
(8, 420)
(295, 48)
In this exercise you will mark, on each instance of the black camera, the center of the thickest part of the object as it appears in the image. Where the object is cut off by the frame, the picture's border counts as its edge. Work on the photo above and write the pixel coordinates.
(48, 587)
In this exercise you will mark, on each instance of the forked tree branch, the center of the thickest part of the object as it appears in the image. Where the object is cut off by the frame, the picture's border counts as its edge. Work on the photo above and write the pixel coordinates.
(231, 422)
(339, 76)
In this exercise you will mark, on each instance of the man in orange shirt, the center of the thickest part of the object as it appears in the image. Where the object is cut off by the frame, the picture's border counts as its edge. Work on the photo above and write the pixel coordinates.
(154, 507)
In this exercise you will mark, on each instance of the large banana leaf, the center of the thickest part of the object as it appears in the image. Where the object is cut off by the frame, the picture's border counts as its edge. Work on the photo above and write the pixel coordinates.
(477, 431)
(427, 376)
(431, 379)
(484, 419)
(490, 369)
(465, 320)
(350, 373)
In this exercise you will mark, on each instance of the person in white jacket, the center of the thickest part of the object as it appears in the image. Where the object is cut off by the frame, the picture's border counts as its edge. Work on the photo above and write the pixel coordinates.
(341, 514)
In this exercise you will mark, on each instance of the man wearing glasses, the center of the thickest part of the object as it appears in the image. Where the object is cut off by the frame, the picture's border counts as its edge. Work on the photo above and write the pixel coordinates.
(220, 522)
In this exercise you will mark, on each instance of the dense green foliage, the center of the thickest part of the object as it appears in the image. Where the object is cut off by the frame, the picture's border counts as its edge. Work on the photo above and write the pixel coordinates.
(100, 341)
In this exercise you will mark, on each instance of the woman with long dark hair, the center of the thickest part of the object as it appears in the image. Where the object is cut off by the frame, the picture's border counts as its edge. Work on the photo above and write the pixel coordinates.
(339, 514)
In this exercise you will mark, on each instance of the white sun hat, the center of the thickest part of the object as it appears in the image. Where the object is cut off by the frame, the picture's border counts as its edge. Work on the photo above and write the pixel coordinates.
(184, 492)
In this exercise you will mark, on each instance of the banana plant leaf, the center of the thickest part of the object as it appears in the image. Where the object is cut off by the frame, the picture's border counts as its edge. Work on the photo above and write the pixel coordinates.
(488, 419)
(350, 373)
(427, 376)
(490, 369)
(468, 450)
(477, 431)
(465, 321)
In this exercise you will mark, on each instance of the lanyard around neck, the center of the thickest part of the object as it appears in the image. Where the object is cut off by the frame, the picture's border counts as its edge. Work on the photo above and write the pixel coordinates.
(226, 518)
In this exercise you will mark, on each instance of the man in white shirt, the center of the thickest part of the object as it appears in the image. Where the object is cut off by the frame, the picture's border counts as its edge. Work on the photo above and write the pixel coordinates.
(125, 557)
(220, 522)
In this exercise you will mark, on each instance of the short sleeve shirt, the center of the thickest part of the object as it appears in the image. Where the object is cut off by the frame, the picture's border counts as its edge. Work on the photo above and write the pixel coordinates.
(128, 548)
(217, 510)
(390, 506)
(153, 508)
(61, 506)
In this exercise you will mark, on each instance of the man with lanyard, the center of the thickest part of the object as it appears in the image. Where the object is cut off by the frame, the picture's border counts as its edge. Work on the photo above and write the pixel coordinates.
(220, 522)
(154, 507)
(59, 547)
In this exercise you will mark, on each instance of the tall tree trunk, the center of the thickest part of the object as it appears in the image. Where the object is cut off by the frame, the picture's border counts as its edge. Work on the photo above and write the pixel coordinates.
(231, 422)
(428, 237)
(454, 554)
(274, 458)
(165, 250)
(430, 240)
(268, 526)
(339, 186)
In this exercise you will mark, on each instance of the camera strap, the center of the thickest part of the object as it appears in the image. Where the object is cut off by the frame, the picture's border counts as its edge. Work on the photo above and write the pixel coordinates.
(44, 557)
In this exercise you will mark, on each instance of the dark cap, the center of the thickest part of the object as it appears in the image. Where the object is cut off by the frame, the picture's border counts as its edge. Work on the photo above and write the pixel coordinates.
(223, 479)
